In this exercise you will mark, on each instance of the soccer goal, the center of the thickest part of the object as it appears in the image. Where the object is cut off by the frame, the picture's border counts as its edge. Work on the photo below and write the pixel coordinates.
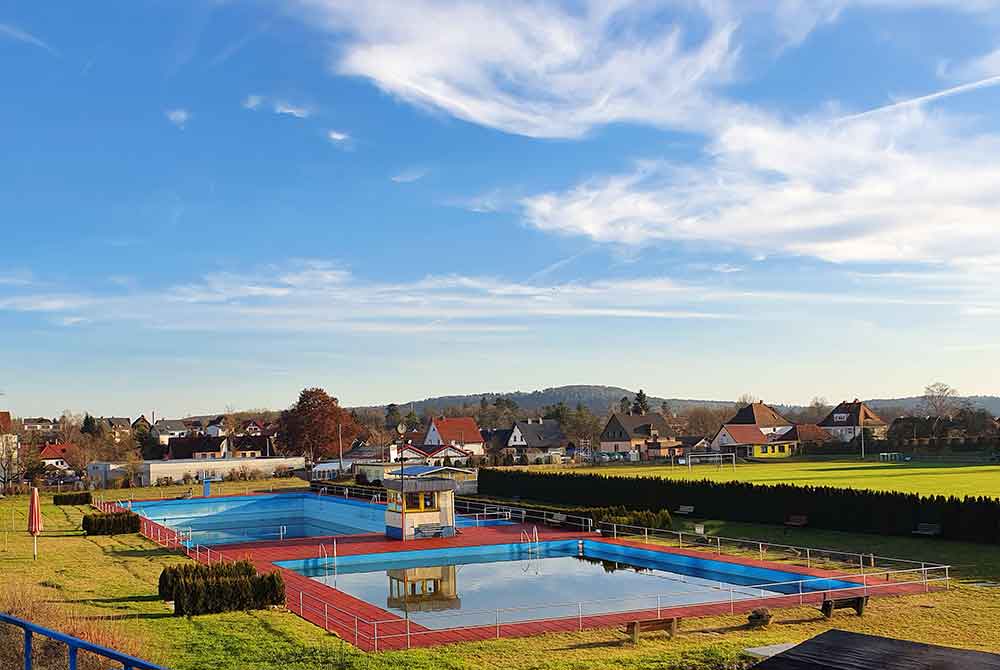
(721, 460)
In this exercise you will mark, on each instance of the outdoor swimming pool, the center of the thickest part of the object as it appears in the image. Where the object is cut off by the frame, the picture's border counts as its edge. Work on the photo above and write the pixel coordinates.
(443, 588)
(215, 521)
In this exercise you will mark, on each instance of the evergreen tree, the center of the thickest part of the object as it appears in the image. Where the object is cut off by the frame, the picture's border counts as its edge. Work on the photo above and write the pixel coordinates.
(90, 426)
(392, 415)
(624, 405)
(641, 403)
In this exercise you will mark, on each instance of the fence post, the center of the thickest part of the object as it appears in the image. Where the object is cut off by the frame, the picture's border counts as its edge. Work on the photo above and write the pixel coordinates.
(355, 630)
(657, 606)
(923, 570)
(407, 631)
(614, 531)
(498, 623)
(27, 649)
(718, 542)
(300, 604)
(72, 657)
(760, 548)
(800, 591)
(808, 558)
(947, 579)
(579, 615)
(375, 634)
(645, 535)
(732, 604)
(326, 617)
(680, 539)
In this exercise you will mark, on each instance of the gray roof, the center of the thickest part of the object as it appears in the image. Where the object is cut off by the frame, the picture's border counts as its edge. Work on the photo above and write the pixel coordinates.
(119, 421)
(543, 434)
(641, 425)
(170, 424)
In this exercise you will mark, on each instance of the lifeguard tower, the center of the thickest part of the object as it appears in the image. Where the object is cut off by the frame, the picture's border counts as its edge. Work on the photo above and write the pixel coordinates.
(420, 508)
(428, 589)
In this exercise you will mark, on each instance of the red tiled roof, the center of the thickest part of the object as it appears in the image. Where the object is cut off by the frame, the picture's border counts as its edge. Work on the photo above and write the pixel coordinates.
(808, 432)
(5, 423)
(54, 451)
(745, 434)
(460, 429)
(759, 414)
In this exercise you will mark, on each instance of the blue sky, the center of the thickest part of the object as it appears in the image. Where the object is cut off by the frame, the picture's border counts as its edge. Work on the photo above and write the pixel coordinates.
(212, 204)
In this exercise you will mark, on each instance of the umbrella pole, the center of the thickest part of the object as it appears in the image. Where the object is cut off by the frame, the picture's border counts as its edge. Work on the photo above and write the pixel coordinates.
(36, 546)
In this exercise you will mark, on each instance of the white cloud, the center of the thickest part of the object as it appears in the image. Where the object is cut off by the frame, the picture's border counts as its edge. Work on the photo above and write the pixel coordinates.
(337, 136)
(882, 188)
(409, 175)
(537, 69)
(178, 117)
(982, 67)
(18, 35)
(298, 111)
(252, 102)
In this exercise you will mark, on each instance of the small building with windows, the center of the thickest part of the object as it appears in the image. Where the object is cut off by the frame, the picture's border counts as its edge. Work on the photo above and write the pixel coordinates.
(424, 589)
(419, 508)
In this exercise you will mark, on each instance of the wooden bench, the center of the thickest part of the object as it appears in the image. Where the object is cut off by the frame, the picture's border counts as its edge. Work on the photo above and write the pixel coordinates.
(633, 628)
(797, 521)
(429, 530)
(685, 510)
(857, 604)
(929, 529)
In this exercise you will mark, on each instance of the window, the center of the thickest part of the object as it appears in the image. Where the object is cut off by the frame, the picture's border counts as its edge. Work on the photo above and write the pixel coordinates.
(412, 501)
(781, 448)
(429, 501)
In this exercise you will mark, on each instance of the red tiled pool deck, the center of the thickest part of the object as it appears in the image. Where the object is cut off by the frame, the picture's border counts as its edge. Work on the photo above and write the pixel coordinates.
(372, 628)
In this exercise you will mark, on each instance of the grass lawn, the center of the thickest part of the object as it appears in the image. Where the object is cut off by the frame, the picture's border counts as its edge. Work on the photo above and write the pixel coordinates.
(924, 478)
(103, 576)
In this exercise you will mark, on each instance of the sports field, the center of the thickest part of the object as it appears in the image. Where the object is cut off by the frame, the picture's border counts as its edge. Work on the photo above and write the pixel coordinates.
(924, 478)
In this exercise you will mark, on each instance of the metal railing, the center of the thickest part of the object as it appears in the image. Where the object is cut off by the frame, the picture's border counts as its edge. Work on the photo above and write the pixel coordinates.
(763, 550)
(74, 646)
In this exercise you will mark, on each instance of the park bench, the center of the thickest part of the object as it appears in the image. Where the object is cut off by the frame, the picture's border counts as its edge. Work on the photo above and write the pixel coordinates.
(685, 510)
(857, 604)
(429, 530)
(633, 628)
(797, 521)
(929, 529)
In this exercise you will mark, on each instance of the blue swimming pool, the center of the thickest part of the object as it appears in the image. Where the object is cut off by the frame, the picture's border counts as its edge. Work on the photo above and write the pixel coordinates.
(443, 588)
(228, 520)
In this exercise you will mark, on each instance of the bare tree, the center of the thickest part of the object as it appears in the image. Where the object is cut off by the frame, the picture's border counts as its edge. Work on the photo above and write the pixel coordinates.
(746, 399)
(940, 400)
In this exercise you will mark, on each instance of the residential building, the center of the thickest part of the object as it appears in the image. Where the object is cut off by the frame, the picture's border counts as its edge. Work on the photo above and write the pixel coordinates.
(252, 427)
(165, 430)
(54, 455)
(847, 419)
(495, 442)
(537, 441)
(461, 431)
(808, 435)
(141, 425)
(196, 447)
(647, 435)
(216, 427)
(250, 446)
(118, 427)
(695, 443)
(767, 419)
(40, 425)
(747, 441)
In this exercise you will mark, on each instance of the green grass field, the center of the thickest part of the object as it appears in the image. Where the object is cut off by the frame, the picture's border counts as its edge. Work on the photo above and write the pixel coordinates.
(117, 576)
(923, 478)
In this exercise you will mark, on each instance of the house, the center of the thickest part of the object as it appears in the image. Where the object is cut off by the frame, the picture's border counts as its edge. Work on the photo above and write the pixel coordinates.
(40, 425)
(148, 473)
(165, 430)
(467, 478)
(54, 455)
(847, 419)
(141, 425)
(694, 443)
(495, 441)
(808, 435)
(118, 427)
(748, 441)
(536, 441)
(250, 446)
(767, 419)
(198, 447)
(460, 431)
(645, 434)
(448, 455)
(252, 427)
(216, 427)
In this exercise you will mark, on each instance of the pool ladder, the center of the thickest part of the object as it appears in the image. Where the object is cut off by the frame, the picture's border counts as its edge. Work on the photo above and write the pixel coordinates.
(325, 557)
(534, 548)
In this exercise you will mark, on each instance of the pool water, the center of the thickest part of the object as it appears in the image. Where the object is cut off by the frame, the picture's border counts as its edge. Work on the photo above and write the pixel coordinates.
(213, 521)
(443, 588)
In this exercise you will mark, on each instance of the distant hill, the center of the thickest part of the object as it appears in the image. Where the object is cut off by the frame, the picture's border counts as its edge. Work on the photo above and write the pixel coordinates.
(599, 399)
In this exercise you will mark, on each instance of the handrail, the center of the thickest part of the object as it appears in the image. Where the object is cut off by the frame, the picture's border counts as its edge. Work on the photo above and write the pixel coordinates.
(74, 645)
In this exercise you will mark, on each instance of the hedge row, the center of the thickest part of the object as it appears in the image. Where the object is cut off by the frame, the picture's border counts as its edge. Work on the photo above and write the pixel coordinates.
(116, 523)
(223, 587)
(82, 498)
(619, 515)
(173, 574)
(974, 519)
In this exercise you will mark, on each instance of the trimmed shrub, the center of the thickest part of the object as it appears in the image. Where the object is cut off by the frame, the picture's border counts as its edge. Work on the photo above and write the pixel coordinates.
(80, 498)
(116, 523)
(973, 519)
(223, 587)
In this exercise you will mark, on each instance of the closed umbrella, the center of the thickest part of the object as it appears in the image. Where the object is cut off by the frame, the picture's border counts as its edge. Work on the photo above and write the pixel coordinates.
(35, 518)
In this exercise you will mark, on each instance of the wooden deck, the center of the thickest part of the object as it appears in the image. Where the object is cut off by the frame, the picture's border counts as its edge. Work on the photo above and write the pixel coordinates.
(372, 628)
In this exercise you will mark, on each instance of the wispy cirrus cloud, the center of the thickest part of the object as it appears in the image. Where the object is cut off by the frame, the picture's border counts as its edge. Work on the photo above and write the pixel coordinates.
(12, 32)
(409, 175)
(252, 102)
(289, 109)
(179, 117)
